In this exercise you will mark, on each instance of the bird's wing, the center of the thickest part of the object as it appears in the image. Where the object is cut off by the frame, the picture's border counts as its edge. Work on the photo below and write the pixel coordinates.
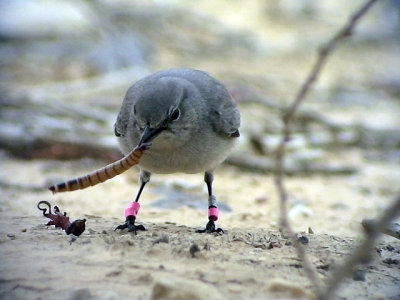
(224, 115)
(225, 118)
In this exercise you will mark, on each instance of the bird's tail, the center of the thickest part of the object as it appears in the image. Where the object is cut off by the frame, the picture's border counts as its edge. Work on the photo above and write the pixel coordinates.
(102, 174)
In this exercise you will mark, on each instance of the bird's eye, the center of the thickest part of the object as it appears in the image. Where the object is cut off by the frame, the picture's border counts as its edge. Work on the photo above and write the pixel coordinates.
(175, 115)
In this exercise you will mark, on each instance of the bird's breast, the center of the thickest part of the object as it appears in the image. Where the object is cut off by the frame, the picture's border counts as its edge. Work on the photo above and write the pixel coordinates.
(194, 157)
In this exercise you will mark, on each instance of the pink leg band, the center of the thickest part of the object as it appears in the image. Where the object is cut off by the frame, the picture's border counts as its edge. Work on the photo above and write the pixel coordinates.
(213, 213)
(132, 210)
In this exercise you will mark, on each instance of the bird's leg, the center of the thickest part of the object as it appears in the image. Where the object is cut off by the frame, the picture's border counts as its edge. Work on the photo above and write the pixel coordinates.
(132, 210)
(212, 207)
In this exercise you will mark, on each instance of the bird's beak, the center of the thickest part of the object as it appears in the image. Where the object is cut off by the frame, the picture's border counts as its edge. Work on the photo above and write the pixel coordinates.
(149, 134)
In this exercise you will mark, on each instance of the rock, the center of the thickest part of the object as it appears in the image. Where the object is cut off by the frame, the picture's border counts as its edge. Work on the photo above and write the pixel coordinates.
(181, 289)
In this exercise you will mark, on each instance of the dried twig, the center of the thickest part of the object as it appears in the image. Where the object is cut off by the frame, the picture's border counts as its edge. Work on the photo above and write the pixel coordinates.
(362, 254)
(265, 165)
(287, 118)
(392, 229)
(303, 115)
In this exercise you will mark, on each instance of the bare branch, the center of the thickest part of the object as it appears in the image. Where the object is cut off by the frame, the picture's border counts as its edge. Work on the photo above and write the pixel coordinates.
(265, 165)
(323, 54)
(287, 117)
(362, 253)
(392, 229)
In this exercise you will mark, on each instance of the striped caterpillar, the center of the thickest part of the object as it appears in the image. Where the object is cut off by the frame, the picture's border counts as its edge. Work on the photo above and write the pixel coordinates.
(103, 174)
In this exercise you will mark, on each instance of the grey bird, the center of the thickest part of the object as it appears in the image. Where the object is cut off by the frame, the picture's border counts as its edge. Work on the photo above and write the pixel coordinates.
(191, 122)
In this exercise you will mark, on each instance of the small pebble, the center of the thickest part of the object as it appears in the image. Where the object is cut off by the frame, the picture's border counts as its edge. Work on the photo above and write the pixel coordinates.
(24, 230)
(194, 249)
(207, 247)
(130, 243)
(390, 248)
(391, 261)
(272, 245)
(11, 236)
(324, 267)
(310, 231)
(359, 275)
(303, 239)
(297, 266)
(288, 243)
(162, 239)
(114, 273)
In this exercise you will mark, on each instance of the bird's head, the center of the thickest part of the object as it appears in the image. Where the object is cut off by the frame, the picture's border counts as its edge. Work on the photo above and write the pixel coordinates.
(167, 109)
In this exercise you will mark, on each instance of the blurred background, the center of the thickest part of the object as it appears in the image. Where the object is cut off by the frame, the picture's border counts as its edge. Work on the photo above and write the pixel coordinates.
(66, 65)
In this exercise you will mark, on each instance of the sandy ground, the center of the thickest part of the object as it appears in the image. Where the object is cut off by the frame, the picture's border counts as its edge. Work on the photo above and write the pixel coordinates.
(250, 261)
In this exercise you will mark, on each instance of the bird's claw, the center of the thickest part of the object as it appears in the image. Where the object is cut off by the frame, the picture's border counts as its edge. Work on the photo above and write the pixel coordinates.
(130, 225)
(210, 228)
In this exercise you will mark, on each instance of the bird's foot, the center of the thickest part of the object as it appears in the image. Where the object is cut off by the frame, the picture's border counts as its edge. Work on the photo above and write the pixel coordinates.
(210, 228)
(130, 225)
